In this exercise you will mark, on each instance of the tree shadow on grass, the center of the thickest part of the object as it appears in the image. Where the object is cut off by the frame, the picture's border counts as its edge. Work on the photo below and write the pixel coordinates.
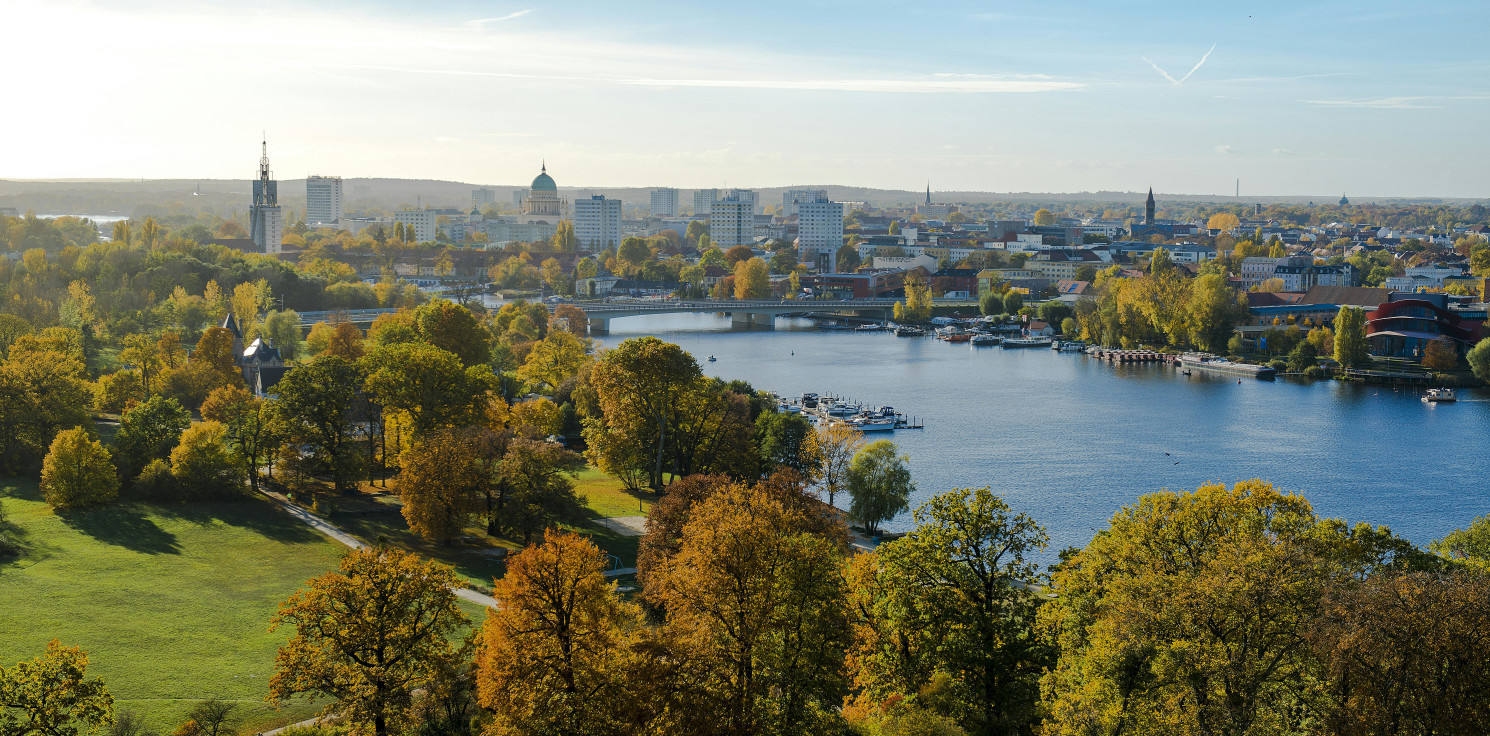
(124, 525)
(255, 514)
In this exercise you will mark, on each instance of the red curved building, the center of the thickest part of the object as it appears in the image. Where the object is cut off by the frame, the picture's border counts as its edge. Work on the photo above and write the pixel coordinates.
(1404, 325)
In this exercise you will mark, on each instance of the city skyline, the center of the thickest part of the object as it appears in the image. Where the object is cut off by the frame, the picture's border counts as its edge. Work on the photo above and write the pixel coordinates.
(1293, 100)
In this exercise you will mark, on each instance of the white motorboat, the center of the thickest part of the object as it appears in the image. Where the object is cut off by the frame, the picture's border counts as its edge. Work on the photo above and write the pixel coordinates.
(984, 340)
(1440, 396)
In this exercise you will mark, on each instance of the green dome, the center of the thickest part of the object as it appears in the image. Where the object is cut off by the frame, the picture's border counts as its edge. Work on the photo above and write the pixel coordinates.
(545, 183)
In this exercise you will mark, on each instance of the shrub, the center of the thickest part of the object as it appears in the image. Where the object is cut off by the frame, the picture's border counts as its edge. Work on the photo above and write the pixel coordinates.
(77, 471)
(156, 482)
(1278, 364)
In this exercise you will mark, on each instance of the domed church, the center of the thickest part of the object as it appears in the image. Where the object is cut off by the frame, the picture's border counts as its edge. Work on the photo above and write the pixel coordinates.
(543, 203)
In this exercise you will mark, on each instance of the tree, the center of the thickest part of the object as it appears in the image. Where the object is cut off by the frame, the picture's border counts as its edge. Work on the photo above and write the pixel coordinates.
(211, 717)
(537, 480)
(451, 327)
(1223, 221)
(990, 303)
(836, 445)
(41, 393)
(737, 254)
(440, 484)
(946, 614)
(1350, 337)
(283, 327)
(1470, 545)
(564, 240)
(1441, 355)
(665, 522)
(786, 439)
(757, 602)
(752, 279)
(77, 472)
(214, 356)
(571, 318)
(638, 385)
(917, 304)
(553, 654)
(249, 298)
(634, 251)
(1044, 218)
(117, 391)
(1479, 360)
(369, 635)
(51, 695)
(1302, 357)
(558, 356)
(313, 403)
(847, 259)
(148, 432)
(428, 384)
(879, 485)
(249, 424)
(203, 462)
(345, 342)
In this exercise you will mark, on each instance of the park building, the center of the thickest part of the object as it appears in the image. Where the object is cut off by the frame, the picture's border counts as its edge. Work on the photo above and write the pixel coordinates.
(323, 200)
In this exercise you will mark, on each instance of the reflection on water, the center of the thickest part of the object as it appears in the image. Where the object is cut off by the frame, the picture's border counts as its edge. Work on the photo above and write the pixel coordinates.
(1069, 440)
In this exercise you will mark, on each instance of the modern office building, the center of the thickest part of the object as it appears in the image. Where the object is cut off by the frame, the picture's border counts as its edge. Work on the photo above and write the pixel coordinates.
(597, 223)
(266, 222)
(819, 232)
(703, 201)
(732, 221)
(323, 200)
(424, 222)
(793, 197)
(664, 202)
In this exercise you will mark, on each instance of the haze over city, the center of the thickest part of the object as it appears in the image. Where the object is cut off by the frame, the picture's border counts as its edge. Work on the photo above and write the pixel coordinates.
(1308, 99)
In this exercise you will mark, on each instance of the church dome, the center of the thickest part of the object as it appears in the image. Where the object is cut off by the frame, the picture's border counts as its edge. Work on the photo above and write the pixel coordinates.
(545, 183)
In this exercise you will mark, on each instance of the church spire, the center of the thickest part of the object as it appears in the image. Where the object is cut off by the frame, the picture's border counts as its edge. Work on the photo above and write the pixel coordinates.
(928, 192)
(1148, 208)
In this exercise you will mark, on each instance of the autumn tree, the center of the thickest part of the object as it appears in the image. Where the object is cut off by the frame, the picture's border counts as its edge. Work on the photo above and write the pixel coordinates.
(441, 483)
(368, 635)
(345, 342)
(665, 522)
(1044, 217)
(945, 615)
(752, 279)
(249, 425)
(553, 655)
(428, 384)
(571, 318)
(451, 327)
(638, 385)
(283, 327)
(556, 357)
(917, 304)
(77, 472)
(758, 602)
(42, 392)
(1350, 337)
(537, 485)
(149, 431)
(52, 695)
(836, 445)
(879, 484)
(312, 406)
(1441, 355)
(203, 462)
(1223, 221)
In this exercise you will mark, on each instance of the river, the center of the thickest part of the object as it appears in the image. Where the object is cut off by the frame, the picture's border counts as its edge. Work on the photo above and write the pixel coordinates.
(1069, 440)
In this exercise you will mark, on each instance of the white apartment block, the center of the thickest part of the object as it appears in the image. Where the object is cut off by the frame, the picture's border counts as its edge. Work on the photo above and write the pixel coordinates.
(483, 197)
(732, 222)
(597, 223)
(323, 200)
(267, 227)
(744, 195)
(664, 202)
(793, 197)
(423, 221)
(819, 232)
(703, 201)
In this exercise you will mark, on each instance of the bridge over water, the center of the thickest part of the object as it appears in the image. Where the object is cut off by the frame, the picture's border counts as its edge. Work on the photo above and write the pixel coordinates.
(757, 313)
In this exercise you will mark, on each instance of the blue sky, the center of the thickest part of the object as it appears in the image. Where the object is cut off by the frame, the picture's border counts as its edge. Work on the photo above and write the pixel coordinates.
(1373, 99)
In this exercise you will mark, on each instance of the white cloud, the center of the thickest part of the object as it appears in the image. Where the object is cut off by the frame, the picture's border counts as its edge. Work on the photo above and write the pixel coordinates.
(1225, 150)
(1283, 152)
(480, 23)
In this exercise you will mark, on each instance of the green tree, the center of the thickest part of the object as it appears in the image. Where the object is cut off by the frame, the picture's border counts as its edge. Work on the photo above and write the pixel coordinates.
(429, 384)
(638, 385)
(149, 432)
(313, 403)
(451, 327)
(1470, 544)
(990, 303)
(1350, 337)
(203, 462)
(557, 357)
(788, 439)
(250, 427)
(283, 327)
(537, 482)
(948, 609)
(1302, 357)
(41, 393)
(879, 485)
(51, 695)
(77, 472)
(368, 635)
(564, 240)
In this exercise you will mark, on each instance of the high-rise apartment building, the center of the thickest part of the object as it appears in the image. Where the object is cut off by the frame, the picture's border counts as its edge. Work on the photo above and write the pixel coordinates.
(424, 222)
(819, 232)
(703, 201)
(597, 223)
(732, 221)
(266, 223)
(664, 202)
(745, 195)
(483, 197)
(323, 200)
(792, 197)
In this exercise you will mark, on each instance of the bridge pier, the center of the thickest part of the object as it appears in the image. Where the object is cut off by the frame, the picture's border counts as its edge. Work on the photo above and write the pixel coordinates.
(741, 319)
(764, 321)
(599, 326)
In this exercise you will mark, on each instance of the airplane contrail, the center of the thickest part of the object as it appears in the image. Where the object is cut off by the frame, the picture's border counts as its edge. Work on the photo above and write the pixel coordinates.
(1181, 80)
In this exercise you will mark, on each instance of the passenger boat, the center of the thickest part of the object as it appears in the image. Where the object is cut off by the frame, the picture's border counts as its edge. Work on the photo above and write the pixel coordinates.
(982, 340)
(871, 327)
(1027, 342)
(1440, 396)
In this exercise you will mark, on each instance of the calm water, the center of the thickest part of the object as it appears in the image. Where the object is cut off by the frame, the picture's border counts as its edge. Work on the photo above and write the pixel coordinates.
(1069, 440)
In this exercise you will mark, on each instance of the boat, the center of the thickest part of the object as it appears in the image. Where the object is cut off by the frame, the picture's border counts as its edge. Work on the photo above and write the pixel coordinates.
(809, 401)
(711, 359)
(982, 340)
(871, 327)
(909, 332)
(954, 334)
(1027, 342)
(871, 421)
(1207, 363)
(840, 409)
(1070, 346)
(1440, 396)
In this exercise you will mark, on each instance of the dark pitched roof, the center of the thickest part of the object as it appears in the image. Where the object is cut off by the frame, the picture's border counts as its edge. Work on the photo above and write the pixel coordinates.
(231, 325)
(1352, 296)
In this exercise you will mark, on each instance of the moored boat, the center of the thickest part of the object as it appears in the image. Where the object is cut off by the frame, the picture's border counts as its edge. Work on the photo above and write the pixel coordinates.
(983, 340)
(1027, 342)
(1440, 396)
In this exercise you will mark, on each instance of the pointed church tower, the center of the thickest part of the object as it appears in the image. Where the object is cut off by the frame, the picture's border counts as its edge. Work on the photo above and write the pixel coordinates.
(928, 192)
(1148, 209)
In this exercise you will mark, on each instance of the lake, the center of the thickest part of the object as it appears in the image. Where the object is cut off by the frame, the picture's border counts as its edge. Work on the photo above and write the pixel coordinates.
(1069, 440)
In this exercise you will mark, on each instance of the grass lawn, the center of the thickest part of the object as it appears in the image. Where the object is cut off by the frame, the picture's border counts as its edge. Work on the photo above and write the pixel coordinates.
(171, 602)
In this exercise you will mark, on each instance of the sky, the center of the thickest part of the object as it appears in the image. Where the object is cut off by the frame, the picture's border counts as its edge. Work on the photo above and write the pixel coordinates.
(1292, 98)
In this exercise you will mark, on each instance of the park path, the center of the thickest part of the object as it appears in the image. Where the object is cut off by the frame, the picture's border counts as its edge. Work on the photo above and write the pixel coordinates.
(331, 530)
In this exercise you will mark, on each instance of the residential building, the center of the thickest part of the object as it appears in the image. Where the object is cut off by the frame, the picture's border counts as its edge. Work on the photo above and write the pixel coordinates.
(745, 195)
(597, 223)
(424, 223)
(266, 222)
(1304, 278)
(483, 197)
(819, 232)
(323, 200)
(793, 197)
(732, 222)
(703, 201)
(664, 202)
